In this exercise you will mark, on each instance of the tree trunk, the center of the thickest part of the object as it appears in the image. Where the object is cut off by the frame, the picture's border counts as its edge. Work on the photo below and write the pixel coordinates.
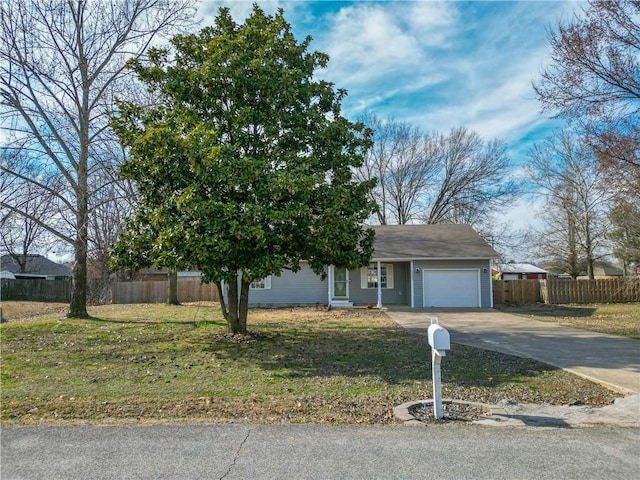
(588, 244)
(22, 263)
(574, 268)
(172, 288)
(223, 303)
(243, 305)
(232, 305)
(236, 307)
(78, 305)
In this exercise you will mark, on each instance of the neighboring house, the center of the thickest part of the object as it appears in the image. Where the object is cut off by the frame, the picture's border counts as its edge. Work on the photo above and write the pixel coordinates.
(600, 270)
(603, 270)
(37, 266)
(413, 265)
(521, 271)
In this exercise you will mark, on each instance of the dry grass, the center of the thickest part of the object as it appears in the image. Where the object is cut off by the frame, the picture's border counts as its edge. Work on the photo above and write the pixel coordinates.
(154, 363)
(612, 318)
(14, 310)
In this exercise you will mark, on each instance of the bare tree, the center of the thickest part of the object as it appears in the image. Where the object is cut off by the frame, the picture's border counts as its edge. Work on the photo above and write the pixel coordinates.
(112, 202)
(408, 172)
(380, 161)
(472, 180)
(575, 214)
(510, 242)
(435, 178)
(557, 242)
(61, 64)
(594, 81)
(625, 220)
(21, 235)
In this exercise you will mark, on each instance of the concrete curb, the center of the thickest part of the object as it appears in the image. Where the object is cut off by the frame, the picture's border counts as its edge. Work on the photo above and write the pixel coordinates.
(492, 413)
(624, 412)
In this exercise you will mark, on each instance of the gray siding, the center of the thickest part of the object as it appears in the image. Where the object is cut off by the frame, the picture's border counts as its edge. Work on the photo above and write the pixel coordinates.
(301, 288)
(485, 277)
(307, 288)
(398, 295)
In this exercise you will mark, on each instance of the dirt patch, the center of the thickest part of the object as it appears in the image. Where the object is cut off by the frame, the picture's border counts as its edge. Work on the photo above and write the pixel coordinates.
(452, 412)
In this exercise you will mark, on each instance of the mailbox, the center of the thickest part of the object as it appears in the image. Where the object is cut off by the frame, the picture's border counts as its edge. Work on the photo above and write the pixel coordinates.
(440, 343)
(438, 337)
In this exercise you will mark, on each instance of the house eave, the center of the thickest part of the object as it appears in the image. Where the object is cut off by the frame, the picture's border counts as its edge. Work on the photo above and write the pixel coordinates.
(414, 259)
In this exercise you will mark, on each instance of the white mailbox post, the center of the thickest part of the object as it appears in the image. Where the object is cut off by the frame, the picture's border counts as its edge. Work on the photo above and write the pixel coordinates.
(440, 343)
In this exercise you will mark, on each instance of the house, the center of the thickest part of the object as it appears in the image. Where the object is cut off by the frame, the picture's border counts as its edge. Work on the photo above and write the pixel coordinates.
(601, 270)
(412, 265)
(42, 280)
(521, 271)
(37, 266)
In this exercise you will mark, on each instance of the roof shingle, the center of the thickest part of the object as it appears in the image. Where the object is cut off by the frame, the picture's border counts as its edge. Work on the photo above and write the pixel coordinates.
(36, 265)
(442, 241)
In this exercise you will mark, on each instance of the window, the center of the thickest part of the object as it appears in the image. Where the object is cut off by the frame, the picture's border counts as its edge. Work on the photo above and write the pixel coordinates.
(261, 284)
(369, 276)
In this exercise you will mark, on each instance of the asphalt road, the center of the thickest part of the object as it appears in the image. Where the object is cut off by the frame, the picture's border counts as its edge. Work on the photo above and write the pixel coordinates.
(318, 452)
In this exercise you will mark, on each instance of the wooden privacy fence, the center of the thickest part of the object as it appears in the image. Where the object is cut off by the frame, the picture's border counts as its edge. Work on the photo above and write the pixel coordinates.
(556, 290)
(606, 290)
(36, 290)
(189, 290)
(516, 292)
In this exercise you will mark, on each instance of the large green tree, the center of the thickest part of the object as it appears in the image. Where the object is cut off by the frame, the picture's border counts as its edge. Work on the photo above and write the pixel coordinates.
(246, 167)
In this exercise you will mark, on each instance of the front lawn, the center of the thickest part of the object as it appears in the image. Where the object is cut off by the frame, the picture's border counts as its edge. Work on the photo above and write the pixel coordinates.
(149, 363)
(612, 318)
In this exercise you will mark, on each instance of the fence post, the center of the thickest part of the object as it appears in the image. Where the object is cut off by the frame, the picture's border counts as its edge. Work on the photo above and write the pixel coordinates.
(542, 290)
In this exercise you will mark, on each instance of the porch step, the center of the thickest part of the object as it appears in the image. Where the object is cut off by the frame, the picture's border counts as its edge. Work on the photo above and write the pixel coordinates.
(341, 304)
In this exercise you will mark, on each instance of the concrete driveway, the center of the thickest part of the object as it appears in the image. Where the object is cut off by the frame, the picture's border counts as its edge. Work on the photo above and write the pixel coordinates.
(607, 359)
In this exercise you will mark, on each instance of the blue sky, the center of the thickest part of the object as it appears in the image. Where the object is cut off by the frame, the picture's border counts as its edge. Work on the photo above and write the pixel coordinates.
(437, 65)
(434, 64)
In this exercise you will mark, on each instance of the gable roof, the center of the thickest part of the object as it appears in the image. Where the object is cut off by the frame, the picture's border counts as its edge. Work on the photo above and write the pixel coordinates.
(440, 241)
(520, 268)
(600, 269)
(605, 269)
(37, 265)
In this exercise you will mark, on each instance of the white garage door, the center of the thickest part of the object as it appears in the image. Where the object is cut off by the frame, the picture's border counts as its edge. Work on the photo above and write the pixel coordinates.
(451, 288)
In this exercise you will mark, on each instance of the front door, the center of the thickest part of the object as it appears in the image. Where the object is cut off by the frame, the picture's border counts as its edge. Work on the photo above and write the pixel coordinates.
(340, 283)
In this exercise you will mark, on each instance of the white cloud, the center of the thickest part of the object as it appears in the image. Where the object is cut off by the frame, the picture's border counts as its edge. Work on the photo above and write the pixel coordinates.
(521, 214)
(366, 43)
(493, 109)
(430, 22)
(372, 41)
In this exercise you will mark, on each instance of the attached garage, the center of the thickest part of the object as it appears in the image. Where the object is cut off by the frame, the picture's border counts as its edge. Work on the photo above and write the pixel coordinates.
(451, 288)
